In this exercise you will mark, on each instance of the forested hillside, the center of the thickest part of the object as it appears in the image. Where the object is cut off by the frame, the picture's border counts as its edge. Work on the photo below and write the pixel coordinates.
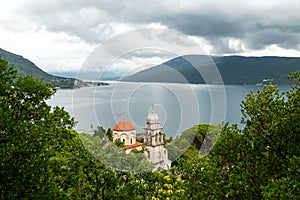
(43, 158)
(26, 67)
(234, 70)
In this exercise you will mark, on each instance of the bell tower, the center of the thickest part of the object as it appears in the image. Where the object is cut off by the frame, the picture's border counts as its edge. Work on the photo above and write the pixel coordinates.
(154, 139)
(153, 131)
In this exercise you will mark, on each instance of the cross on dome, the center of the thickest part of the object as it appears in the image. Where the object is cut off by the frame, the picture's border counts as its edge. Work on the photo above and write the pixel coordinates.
(152, 106)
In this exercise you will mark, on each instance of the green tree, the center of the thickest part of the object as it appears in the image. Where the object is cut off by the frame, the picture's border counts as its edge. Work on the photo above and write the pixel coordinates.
(119, 143)
(100, 132)
(41, 157)
(259, 162)
(272, 128)
(109, 134)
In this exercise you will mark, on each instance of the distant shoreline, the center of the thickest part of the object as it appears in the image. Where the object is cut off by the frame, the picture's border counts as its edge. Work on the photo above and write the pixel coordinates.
(250, 84)
(83, 84)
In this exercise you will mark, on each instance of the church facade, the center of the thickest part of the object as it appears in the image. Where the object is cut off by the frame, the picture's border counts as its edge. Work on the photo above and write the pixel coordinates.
(126, 132)
(152, 137)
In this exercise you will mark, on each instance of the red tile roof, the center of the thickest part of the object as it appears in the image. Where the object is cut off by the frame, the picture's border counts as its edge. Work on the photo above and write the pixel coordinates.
(137, 144)
(124, 125)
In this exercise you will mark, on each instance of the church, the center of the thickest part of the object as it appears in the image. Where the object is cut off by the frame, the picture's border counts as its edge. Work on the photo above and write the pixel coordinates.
(152, 137)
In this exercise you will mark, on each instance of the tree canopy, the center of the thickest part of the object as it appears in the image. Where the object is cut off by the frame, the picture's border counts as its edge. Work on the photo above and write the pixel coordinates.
(41, 157)
(259, 162)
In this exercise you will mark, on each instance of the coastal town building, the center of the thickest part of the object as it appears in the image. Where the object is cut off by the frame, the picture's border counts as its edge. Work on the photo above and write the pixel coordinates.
(126, 132)
(152, 138)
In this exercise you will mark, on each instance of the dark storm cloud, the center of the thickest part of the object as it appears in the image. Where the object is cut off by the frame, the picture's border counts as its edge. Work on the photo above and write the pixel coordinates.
(261, 38)
(257, 24)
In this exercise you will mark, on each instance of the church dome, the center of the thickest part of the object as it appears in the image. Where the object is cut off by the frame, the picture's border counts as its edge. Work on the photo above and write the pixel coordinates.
(124, 125)
(153, 118)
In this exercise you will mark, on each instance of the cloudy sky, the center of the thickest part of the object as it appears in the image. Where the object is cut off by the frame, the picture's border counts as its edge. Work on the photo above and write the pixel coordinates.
(59, 35)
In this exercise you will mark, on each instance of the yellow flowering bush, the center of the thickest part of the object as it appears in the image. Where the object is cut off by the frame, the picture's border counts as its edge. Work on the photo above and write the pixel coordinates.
(171, 188)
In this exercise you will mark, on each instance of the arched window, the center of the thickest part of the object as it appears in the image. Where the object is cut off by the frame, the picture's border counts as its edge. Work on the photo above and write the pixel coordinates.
(160, 137)
(130, 140)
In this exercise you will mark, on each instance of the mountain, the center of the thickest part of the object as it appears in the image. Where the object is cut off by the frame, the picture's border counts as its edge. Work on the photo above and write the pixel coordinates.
(26, 67)
(234, 70)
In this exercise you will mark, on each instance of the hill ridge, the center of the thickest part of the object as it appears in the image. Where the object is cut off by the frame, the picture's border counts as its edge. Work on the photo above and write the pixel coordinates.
(26, 67)
(234, 69)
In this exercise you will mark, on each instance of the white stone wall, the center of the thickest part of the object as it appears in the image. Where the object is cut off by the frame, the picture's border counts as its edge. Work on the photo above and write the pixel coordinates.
(128, 137)
(158, 155)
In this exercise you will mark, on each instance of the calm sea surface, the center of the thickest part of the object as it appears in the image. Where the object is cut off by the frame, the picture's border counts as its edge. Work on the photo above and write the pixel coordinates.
(179, 106)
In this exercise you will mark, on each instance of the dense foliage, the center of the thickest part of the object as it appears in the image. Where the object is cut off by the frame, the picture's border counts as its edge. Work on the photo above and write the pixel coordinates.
(42, 158)
(259, 162)
(40, 155)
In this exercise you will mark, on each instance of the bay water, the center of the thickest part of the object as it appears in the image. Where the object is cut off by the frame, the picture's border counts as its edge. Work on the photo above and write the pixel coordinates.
(179, 106)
